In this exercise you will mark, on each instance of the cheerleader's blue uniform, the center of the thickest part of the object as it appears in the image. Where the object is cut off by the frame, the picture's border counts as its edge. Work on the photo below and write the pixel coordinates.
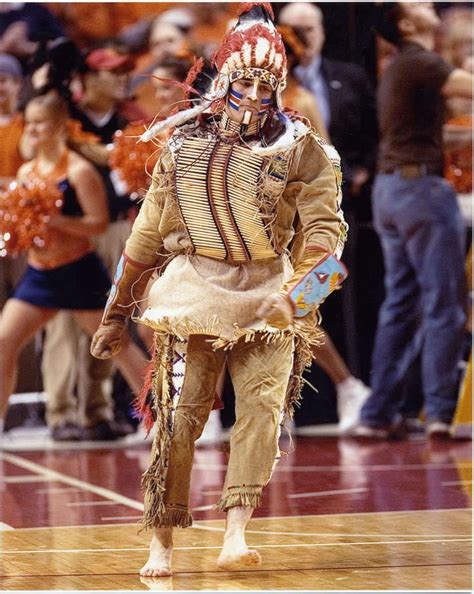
(82, 284)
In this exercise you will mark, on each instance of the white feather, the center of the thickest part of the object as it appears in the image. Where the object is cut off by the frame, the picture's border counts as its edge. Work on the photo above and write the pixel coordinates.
(261, 48)
(247, 53)
(173, 121)
(278, 61)
(235, 61)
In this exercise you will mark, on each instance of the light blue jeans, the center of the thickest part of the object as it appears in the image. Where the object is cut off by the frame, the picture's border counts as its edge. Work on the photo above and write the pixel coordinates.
(423, 241)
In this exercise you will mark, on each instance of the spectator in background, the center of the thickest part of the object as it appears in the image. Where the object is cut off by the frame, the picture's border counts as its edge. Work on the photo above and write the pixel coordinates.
(99, 112)
(168, 96)
(345, 100)
(419, 225)
(11, 128)
(344, 96)
(295, 96)
(11, 121)
(166, 41)
(65, 273)
(23, 25)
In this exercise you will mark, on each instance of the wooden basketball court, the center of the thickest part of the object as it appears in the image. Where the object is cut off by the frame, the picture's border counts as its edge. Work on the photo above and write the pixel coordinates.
(338, 515)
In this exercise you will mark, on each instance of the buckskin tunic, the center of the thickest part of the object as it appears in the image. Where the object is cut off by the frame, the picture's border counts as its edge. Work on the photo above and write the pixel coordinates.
(225, 228)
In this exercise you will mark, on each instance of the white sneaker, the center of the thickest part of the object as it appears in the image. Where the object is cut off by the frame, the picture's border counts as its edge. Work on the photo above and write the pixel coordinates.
(438, 430)
(351, 397)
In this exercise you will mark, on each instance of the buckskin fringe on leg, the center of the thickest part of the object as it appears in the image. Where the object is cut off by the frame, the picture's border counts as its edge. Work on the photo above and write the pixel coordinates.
(302, 359)
(240, 497)
(177, 517)
(153, 481)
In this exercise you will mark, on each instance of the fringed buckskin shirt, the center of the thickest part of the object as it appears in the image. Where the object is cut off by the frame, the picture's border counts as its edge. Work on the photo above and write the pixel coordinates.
(226, 227)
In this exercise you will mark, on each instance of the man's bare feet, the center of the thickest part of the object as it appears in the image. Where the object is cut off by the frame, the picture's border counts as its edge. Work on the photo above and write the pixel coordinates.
(161, 549)
(235, 553)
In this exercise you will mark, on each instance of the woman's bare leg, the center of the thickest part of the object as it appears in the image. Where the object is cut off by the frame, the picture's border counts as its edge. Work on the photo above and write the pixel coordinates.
(235, 553)
(161, 550)
(19, 322)
(330, 361)
(131, 361)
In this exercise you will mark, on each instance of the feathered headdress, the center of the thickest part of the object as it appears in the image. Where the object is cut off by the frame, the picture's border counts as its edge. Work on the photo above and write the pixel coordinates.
(252, 49)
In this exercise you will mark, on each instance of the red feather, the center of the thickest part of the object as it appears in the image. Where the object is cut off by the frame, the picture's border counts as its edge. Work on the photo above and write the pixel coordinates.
(193, 73)
(234, 41)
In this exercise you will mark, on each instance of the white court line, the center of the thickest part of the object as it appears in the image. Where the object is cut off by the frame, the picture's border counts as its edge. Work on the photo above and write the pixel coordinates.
(204, 524)
(453, 483)
(54, 490)
(203, 507)
(260, 546)
(264, 532)
(351, 468)
(4, 526)
(27, 478)
(322, 493)
(118, 518)
(60, 477)
(90, 503)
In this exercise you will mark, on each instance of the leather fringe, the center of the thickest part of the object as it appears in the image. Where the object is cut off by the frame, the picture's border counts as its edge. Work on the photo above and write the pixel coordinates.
(241, 497)
(153, 480)
(179, 518)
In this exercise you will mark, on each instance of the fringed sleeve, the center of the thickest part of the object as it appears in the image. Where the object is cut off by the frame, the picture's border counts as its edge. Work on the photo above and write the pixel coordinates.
(145, 242)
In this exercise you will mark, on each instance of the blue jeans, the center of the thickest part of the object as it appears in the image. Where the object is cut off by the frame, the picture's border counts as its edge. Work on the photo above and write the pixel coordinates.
(422, 235)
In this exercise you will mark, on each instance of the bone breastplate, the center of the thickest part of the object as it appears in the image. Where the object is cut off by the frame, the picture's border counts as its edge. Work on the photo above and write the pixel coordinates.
(217, 188)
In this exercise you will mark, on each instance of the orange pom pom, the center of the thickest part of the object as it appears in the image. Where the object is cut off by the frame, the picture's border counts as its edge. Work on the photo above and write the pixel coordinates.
(24, 213)
(133, 160)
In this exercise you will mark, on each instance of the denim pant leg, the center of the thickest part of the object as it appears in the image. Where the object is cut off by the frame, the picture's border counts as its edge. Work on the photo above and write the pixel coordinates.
(437, 252)
(398, 314)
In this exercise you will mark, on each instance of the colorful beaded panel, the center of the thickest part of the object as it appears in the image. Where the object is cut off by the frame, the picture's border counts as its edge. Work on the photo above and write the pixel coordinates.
(317, 284)
(251, 73)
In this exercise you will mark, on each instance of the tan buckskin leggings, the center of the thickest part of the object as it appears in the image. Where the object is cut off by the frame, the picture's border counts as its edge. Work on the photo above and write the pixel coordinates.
(260, 373)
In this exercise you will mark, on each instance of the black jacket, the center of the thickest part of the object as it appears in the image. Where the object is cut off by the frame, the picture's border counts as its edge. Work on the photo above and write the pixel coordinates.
(353, 127)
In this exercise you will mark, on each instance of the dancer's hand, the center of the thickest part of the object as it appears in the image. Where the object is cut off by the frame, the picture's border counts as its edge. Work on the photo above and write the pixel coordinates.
(277, 310)
(107, 341)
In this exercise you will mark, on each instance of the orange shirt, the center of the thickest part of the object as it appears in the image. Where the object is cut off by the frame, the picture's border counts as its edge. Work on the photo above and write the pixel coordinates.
(458, 163)
(10, 159)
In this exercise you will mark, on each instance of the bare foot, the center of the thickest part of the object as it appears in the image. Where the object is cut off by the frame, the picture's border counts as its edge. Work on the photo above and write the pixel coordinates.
(238, 559)
(235, 553)
(163, 584)
(161, 549)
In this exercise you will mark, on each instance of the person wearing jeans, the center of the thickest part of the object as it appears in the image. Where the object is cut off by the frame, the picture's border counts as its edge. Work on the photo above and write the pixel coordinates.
(419, 225)
(422, 235)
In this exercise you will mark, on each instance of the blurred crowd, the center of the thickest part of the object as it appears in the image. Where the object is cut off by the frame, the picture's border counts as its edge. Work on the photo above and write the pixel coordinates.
(117, 64)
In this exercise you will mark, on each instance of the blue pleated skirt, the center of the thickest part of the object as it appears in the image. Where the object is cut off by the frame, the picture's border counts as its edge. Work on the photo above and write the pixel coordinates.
(83, 284)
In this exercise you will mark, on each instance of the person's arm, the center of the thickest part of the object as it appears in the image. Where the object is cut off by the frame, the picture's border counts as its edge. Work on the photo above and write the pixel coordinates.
(135, 268)
(458, 84)
(456, 137)
(90, 194)
(314, 184)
